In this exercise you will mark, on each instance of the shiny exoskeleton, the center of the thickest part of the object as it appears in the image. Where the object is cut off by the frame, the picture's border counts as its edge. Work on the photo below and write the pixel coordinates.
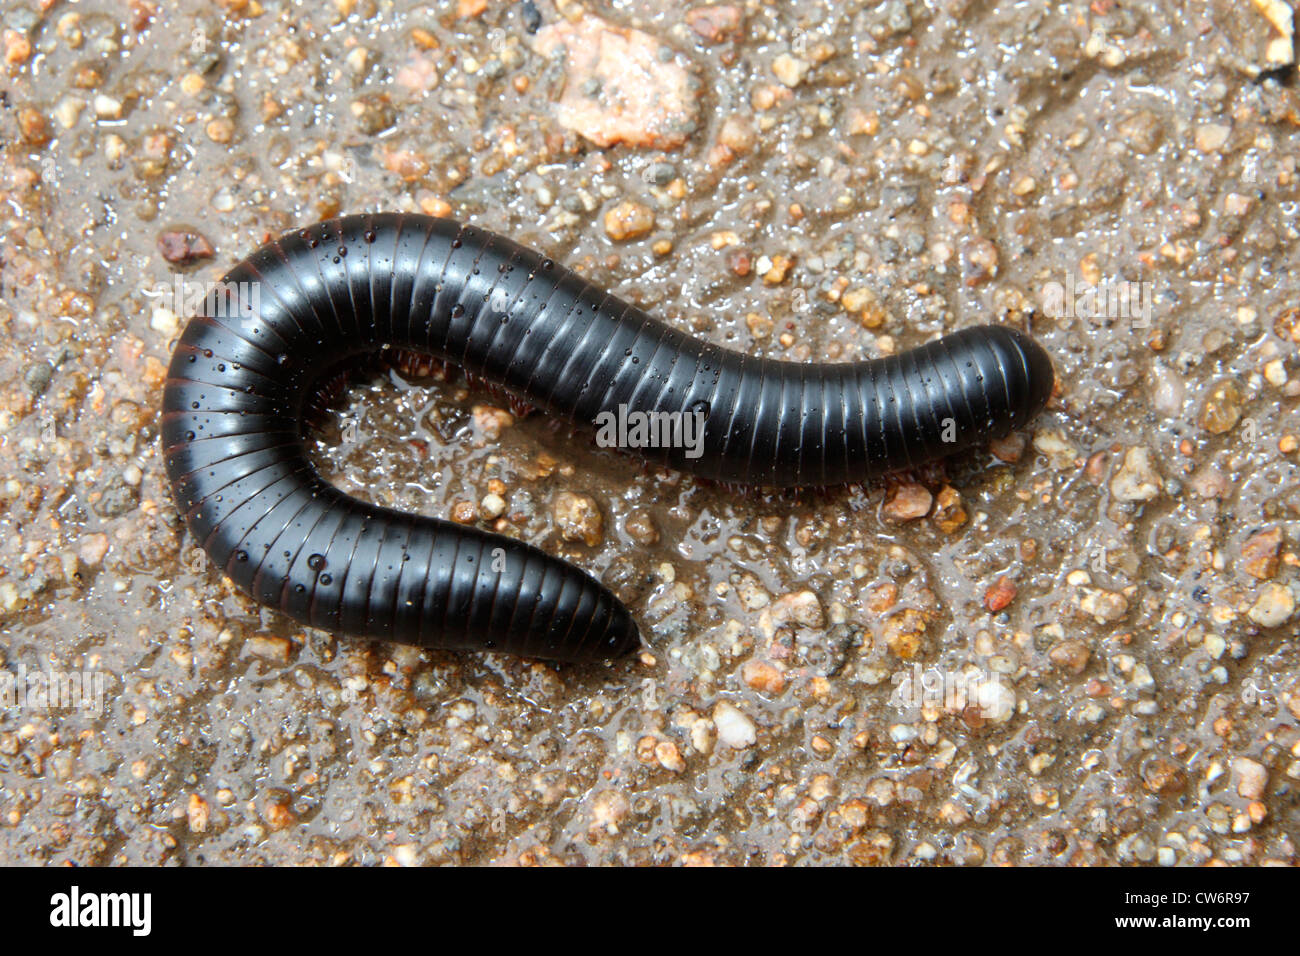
(240, 379)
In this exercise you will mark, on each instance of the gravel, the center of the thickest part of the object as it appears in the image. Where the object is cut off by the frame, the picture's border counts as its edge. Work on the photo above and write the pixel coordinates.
(1077, 647)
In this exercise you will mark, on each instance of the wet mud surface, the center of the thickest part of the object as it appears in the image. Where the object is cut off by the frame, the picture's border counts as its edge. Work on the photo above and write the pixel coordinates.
(1076, 647)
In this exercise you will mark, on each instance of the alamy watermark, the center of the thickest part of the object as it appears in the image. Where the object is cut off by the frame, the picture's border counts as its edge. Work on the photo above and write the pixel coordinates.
(1108, 299)
(917, 690)
(187, 298)
(52, 690)
(73, 909)
(631, 428)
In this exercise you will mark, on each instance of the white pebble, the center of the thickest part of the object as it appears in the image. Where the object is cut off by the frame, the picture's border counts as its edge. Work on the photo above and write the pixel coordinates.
(734, 728)
(1274, 606)
(106, 107)
(1167, 391)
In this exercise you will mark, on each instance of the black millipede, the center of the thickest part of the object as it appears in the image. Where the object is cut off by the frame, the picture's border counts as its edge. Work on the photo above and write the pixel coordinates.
(244, 369)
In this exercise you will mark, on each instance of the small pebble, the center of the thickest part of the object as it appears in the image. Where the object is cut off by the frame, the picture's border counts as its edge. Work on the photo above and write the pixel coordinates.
(629, 220)
(1221, 409)
(1273, 607)
(183, 246)
(734, 728)
(907, 502)
(763, 677)
(790, 70)
(1136, 479)
(578, 518)
(1251, 777)
(1259, 553)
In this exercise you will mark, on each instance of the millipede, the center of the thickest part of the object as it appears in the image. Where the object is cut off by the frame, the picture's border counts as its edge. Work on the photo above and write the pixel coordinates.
(244, 369)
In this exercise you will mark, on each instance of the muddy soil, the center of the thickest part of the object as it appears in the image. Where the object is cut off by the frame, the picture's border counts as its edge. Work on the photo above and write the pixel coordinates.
(1076, 647)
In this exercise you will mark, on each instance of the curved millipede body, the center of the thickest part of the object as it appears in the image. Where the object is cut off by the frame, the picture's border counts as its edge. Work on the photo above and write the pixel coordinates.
(243, 372)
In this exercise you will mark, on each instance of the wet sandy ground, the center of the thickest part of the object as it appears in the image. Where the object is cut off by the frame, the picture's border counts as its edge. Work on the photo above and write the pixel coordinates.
(1077, 648)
